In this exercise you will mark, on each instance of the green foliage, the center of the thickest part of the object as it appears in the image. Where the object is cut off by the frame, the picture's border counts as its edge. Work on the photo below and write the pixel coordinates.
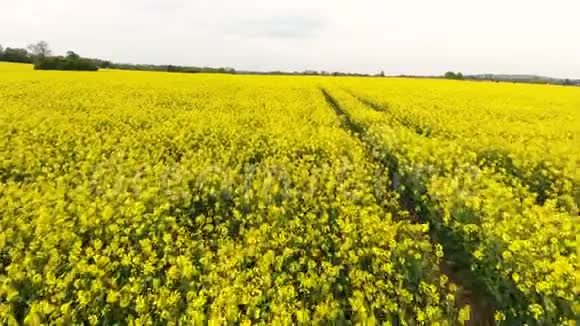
(453, 75)
(15, 55)
(72, 61)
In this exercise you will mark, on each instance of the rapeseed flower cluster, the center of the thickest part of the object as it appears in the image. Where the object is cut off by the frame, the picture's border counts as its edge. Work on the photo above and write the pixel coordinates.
(522, 252)
(152, 198)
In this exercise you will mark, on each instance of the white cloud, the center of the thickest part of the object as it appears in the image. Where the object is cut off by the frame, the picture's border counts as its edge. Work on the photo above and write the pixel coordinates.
(413, 36)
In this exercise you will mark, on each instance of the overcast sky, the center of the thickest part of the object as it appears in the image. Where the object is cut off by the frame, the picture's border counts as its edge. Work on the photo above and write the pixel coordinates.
(411, 36)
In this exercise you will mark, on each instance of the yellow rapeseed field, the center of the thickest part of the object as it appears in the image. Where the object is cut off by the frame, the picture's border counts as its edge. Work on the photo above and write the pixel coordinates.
(160, 198)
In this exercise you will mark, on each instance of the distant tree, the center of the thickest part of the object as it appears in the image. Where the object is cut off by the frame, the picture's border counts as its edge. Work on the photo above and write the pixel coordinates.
(103, 63)
(1, 51)
(72, 55)
(16, 55)
(452, 75)
(39, 50)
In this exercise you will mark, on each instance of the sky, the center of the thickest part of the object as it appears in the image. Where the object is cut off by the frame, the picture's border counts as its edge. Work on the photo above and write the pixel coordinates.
(423, 37)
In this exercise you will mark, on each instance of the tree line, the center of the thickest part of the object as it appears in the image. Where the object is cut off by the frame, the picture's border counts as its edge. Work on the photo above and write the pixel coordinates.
(528, 79)
(41, 56)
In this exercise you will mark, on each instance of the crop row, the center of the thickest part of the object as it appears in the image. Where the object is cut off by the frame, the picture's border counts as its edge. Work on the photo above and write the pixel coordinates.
(529, 132)
(151, 201)
(523, 256)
